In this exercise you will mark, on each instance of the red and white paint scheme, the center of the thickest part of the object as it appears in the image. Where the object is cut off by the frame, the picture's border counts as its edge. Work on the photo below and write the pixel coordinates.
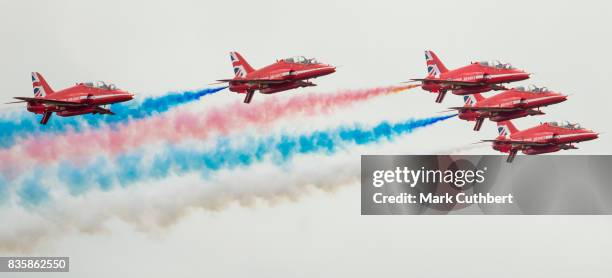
(82, 98)
(285, 74)
(478, 77)
(511, 104)
(544, 138)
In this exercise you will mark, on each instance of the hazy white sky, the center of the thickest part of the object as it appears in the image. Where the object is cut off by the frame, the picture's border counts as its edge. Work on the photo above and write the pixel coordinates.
(155, 46)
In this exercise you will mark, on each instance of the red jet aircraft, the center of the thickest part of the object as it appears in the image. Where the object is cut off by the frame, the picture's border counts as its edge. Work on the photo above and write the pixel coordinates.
(285, 74)
(478, 77)
(544, 138)
(512, 104)
(83, 98)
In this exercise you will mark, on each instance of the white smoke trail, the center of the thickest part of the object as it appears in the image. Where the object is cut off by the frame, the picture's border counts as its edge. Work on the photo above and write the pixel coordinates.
(462, 149)
(155, 206)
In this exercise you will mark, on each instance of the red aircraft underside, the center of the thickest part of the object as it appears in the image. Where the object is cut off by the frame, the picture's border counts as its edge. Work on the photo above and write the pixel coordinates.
(83, 98)
(285, 74)
(544, 138)
(478, 77)
(512, 104)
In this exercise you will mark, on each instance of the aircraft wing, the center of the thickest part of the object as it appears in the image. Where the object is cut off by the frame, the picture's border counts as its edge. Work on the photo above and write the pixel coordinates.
(50, 101)
(449, 82)
(255, 80)
(498, 87)
(519, 143)
(486, 109)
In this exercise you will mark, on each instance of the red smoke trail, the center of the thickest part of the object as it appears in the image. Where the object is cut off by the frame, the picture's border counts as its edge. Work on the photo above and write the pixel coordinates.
(177, 127)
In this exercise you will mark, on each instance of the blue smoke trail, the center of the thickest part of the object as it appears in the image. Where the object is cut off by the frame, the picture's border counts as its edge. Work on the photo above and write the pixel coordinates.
(19, 125)
(132, 167)
(32, 192)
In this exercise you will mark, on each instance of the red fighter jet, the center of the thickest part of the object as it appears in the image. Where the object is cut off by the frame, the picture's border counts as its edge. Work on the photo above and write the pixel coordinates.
(544, 138)
(83, 98)
(285, 74)
(478, 77)
(512, 104)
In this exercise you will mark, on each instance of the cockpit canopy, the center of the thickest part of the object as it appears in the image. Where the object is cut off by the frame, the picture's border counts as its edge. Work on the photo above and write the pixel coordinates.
(532, 88)
(565, 124)
(301, 60)
(100, 85)
(496, 64)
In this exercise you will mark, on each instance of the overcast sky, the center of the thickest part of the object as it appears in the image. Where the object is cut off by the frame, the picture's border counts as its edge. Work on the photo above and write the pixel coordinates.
(155, 46)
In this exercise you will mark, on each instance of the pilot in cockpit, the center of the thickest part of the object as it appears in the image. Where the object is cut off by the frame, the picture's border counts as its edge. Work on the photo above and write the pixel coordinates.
(300, 60)
(496, 64)
(565, 124)
(101, 85)
(532, 88)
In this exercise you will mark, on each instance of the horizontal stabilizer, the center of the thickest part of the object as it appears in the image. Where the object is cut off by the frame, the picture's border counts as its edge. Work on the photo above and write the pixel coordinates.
(449, 82)
(486, 109)
(50, 101)
(518, 143)
(21, 101)
(259, 81)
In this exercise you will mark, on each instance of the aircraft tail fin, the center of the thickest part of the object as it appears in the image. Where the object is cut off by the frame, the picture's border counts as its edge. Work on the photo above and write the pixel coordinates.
(41, 88)
(435, 67)
(506, 128)
(471, 100)
(240, 65)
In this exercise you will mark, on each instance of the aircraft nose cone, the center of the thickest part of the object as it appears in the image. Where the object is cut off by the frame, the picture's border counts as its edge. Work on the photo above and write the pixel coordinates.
(560, 98)
(590, 135)
(523, 75)
(128, 96)
(328, 69)
(323, 70)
